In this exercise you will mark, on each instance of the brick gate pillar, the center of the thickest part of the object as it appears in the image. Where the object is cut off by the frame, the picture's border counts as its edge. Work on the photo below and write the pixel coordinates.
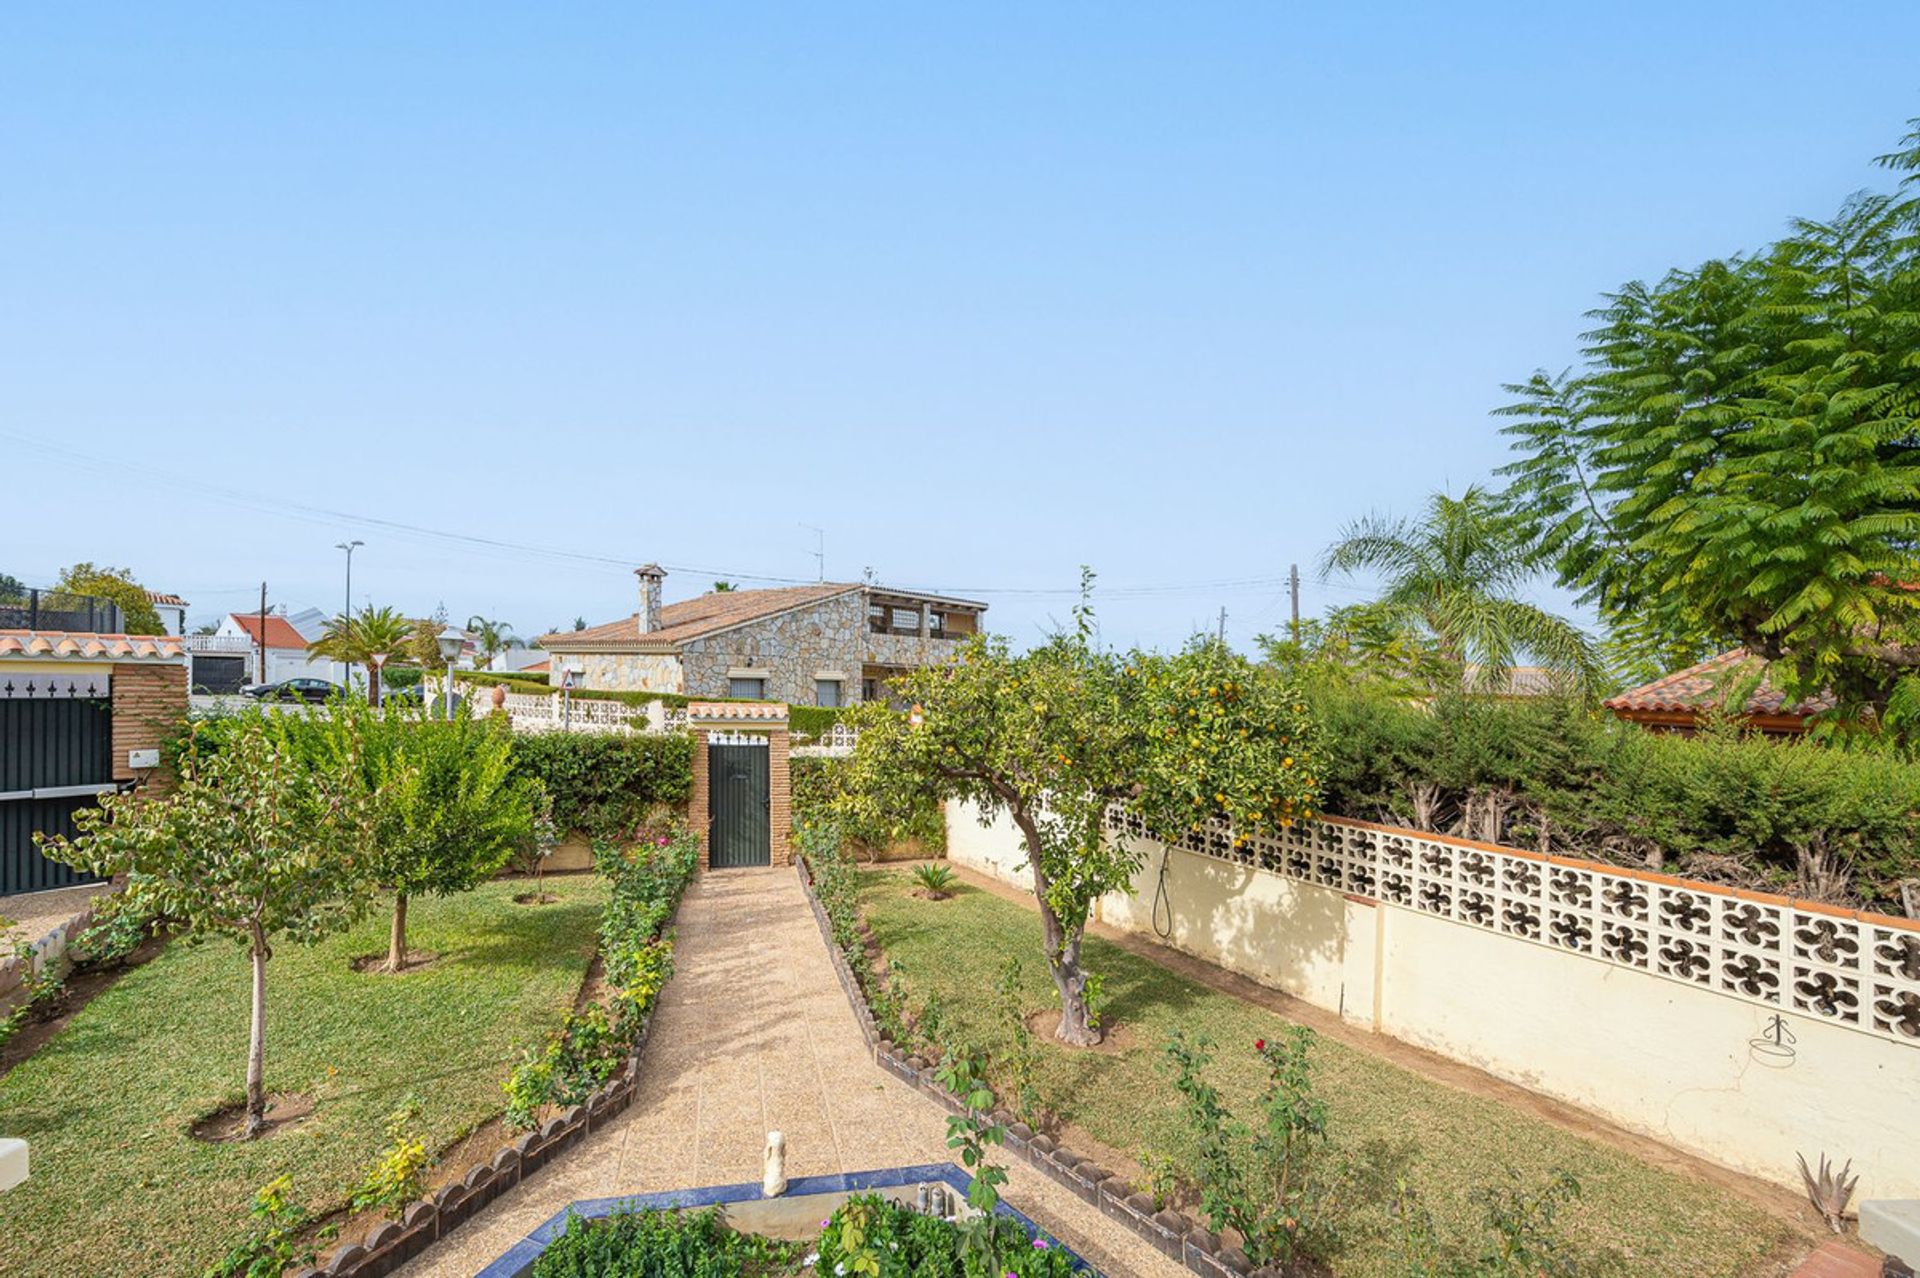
(758, 718)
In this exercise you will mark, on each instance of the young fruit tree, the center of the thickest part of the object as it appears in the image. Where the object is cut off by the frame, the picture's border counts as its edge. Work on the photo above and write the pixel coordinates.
(1051, 738)
(252, 844)
(444, 811)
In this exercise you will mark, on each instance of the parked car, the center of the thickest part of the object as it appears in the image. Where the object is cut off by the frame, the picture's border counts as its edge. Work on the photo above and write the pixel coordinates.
(407, 696)
(308, 690)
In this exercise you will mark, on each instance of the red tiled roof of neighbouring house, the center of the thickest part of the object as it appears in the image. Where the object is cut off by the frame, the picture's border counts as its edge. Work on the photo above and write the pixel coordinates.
(538, 667)
(165, 601)
(692, 618)
(280, 631)
(1697, 689)
(79, 646)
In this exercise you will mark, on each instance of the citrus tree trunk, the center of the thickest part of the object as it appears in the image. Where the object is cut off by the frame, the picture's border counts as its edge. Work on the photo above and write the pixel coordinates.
(397, 943)
(257, 1039)
(1062, 940)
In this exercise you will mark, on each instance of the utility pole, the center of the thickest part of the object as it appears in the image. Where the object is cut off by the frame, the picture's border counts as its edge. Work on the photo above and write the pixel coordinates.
(263, 632)
(1293, 588)
(1221, 638)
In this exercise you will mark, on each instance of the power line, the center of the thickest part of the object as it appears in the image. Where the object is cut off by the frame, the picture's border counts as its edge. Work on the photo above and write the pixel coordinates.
(503, 547)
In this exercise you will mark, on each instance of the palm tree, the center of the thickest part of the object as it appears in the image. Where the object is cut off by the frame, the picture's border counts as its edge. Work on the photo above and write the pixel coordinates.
(357, 639)
(1453, 574)
(492, 637)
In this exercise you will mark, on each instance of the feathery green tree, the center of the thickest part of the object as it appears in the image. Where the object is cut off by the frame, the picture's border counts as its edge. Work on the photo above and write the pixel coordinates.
(1737, 461)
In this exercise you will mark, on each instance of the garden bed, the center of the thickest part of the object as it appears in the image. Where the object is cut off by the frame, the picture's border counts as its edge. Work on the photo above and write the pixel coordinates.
(1447, 1142)
(911, 1219)
(121, 1186)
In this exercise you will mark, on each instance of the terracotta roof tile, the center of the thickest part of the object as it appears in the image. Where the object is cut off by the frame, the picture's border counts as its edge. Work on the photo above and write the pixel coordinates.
(280, 631)
(1698, 688)
(77, 646)
(165, 601)
(693, 618)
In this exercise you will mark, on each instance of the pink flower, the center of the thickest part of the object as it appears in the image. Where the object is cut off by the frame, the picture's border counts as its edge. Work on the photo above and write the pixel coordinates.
(1039, 1244)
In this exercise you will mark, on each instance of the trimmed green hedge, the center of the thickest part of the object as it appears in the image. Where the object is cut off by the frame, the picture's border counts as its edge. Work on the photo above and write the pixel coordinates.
(606, 784)
(813, 721)
(817, 780)
(1571, 779)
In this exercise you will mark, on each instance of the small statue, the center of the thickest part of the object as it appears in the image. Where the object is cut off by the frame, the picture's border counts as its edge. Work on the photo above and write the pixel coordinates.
(775, 1183)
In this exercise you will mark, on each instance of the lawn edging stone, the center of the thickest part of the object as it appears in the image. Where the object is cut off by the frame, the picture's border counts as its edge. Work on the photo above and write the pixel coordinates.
(1181, 1240)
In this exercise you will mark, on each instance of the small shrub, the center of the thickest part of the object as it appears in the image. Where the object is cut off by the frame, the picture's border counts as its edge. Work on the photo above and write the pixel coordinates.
(1164, 1181)
(121, 923)
(1279, 1187)
(936, 880)
(1020, 1060)
(399, 1175)
(643, 1244)
(273, 1243)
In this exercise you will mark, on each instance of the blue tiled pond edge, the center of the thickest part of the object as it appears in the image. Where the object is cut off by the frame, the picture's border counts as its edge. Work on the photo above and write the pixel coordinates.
(1179, 1238)
(517, 1261)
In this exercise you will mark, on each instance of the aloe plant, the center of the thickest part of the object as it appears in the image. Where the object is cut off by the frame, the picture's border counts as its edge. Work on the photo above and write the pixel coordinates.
(1829, 1192)
(935, 880)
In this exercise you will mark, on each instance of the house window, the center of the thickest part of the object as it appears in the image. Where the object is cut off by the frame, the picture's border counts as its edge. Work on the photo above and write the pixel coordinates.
(753, 689)
(826, 692)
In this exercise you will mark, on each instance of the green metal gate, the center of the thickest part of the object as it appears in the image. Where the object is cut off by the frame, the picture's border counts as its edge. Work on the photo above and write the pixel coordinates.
(56, 757)
(738, 802)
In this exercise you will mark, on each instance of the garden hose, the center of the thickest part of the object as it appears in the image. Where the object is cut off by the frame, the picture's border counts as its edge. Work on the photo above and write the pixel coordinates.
(1161, 898)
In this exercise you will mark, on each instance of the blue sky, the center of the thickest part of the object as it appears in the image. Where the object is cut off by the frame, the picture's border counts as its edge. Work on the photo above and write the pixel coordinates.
(985, 292)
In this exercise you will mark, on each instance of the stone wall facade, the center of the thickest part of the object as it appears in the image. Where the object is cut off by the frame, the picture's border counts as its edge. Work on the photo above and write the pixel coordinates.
(908, 650)
(793, 648)
(622, 671)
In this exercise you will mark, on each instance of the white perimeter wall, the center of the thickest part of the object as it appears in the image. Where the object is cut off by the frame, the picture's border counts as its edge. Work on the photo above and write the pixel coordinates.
(1671, 1061)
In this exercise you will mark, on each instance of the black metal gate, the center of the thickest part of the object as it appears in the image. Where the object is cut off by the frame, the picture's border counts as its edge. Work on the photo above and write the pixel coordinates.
(738, 802)
(55, 758)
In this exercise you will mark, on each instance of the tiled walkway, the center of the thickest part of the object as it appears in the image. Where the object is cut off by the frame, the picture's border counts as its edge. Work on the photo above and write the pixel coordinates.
(754, 1034)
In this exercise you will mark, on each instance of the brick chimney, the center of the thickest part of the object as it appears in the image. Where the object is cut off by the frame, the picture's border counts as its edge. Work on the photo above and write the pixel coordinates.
(651, 575)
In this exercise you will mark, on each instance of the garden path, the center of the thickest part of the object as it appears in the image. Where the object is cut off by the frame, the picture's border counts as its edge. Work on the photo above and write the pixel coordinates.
(755, 1034)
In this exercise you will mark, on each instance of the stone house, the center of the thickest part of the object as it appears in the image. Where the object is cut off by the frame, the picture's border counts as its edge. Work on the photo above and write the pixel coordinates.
(829, 644)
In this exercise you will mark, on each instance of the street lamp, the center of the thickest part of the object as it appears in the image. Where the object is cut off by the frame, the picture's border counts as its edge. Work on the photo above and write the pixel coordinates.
(451, 641)
(348, 546)
(347, 615)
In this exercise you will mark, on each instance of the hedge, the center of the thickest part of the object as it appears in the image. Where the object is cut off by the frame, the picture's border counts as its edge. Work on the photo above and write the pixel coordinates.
(606, 784)
(1552, 775)
(817, 780)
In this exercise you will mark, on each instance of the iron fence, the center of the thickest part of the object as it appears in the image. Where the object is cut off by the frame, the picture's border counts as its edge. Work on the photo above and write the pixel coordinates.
(61, 610)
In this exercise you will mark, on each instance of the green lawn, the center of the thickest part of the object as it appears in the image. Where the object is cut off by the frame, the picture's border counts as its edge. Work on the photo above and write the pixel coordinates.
(118, 1184)
(1661, 1223)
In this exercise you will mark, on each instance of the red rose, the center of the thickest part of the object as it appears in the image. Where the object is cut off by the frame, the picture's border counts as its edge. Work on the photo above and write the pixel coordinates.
(1259, 1044)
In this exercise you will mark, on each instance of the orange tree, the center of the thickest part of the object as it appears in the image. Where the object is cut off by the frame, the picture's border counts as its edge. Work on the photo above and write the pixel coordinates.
(1051, 738)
